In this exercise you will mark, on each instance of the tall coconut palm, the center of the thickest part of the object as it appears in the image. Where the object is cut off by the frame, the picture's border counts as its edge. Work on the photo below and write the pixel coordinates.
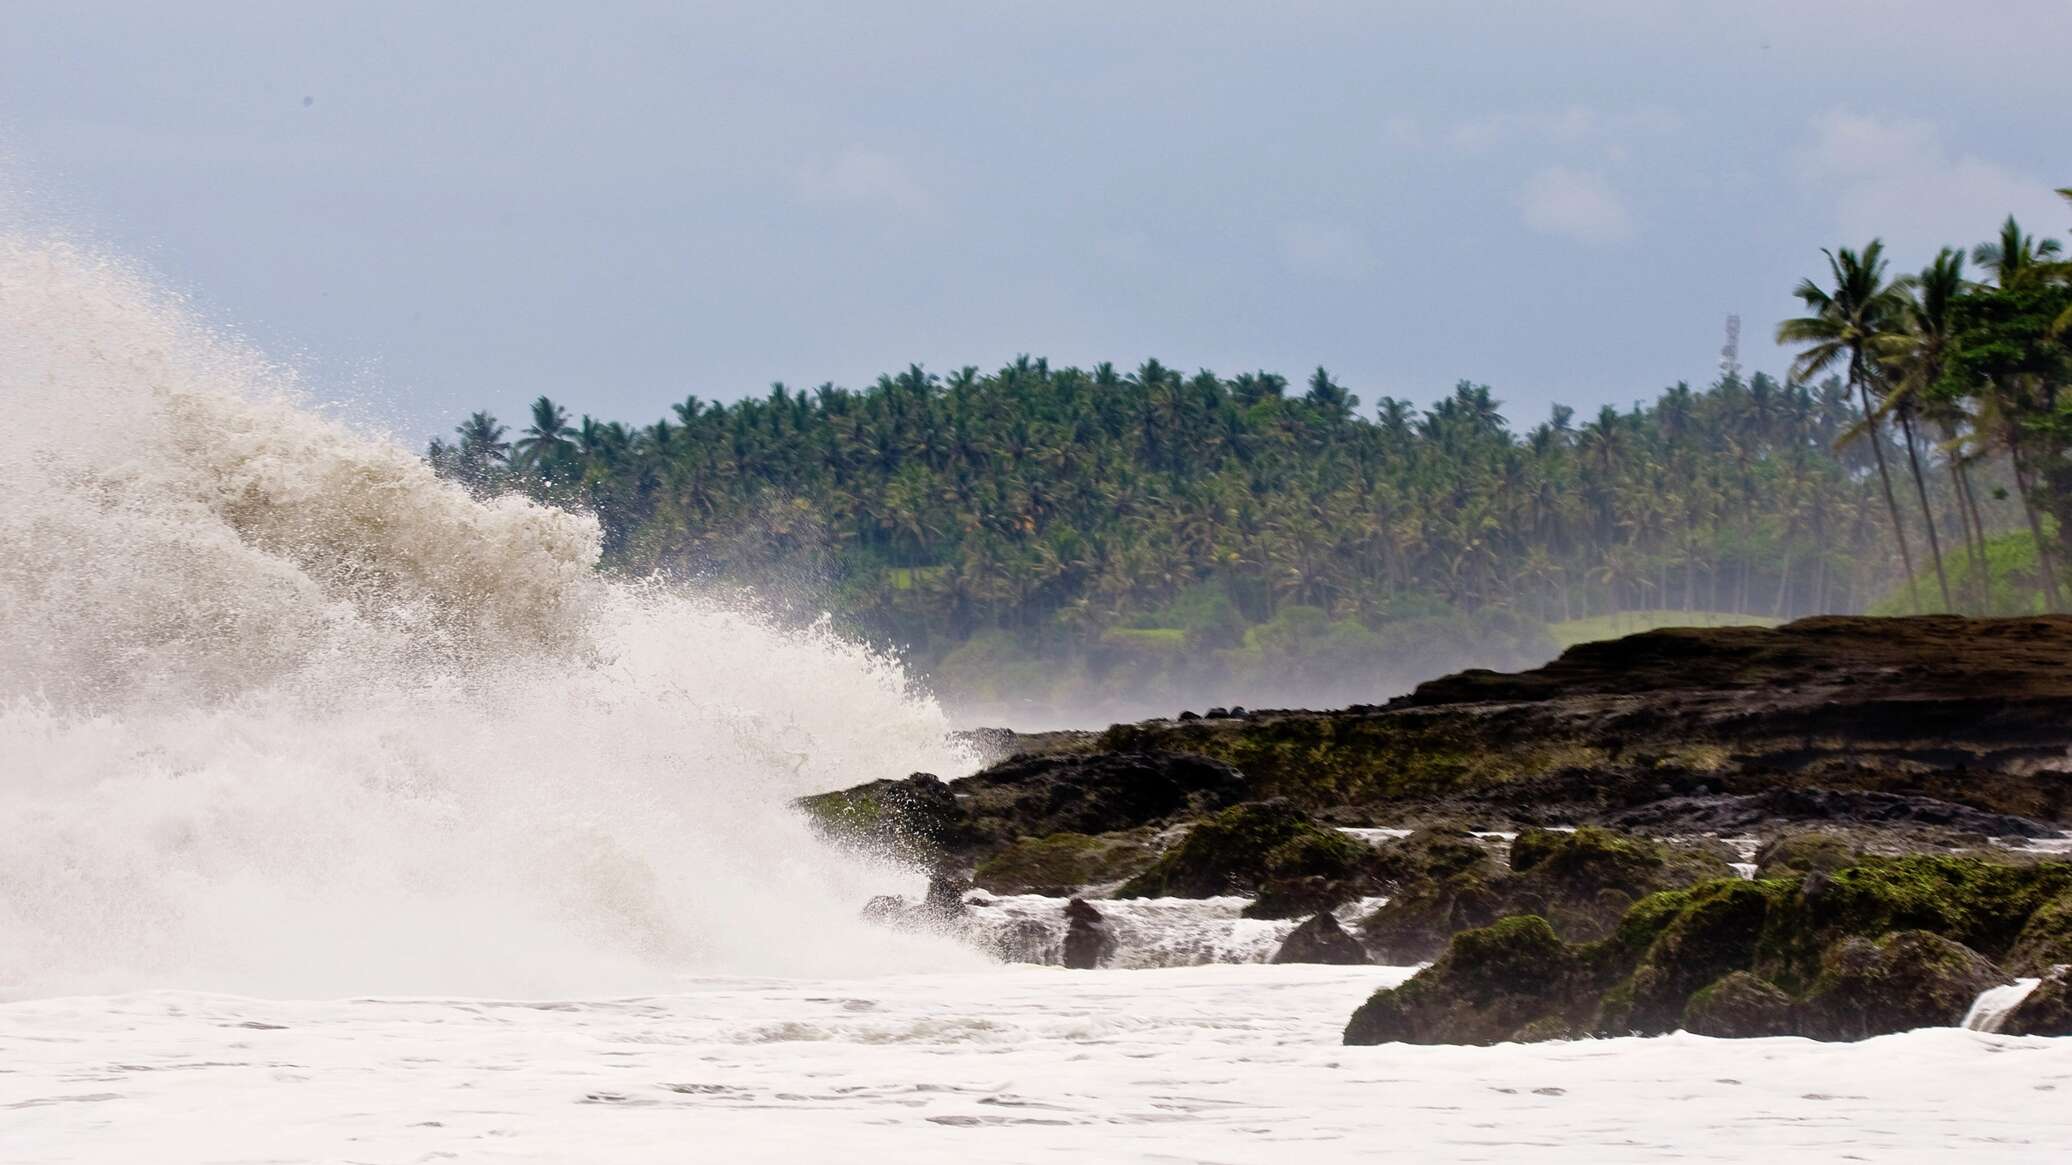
(482, 438)
(546, 439)
(1912, 358)
(2015, 257)
(2022, 264)
(1844, 324)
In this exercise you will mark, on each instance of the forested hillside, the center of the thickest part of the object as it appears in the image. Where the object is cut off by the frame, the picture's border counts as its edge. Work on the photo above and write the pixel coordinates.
(1069, 533)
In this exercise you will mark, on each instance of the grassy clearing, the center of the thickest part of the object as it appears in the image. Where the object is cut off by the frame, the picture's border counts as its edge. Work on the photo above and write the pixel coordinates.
(1574, 631)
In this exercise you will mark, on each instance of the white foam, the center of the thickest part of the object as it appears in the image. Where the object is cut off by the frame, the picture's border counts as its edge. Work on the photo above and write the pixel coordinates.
(1991, 1009)
(281, 712)
(1148, 932)
(1226, 1063)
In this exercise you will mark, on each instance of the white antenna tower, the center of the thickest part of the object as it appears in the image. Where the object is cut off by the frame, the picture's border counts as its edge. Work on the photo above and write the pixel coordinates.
(1730, 352)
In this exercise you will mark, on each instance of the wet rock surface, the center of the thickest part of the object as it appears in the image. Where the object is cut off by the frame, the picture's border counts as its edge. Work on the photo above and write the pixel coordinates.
(2046, 1012)
(1267, 848)
(1907, 979)
(1321, 940)
(1881, 780)
(1581, 882)
(1886, 945)
(1088, 941)
(1739, 1006)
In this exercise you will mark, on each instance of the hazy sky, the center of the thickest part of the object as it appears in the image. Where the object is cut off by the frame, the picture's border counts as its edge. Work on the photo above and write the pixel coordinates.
(440, 206)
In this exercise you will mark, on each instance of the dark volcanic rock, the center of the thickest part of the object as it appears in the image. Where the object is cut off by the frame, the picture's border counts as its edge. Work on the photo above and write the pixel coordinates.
(2046, 1012)
(1885, 945)
(1686, 730)
(1907, 980)
(1672, 945)
(1320, 940)
(1794, 855)
(916, 818)
(1488, 987)
(941, 907)
(1088, 943)
(2046, 939)
(923, 819)
(1063, 864)
(1103, 792)
(1298, 897)
(1025, 941)
(1582, 882)
(1739, 1006)
(1926, 655)
(1978, 903)
(1775, 808)
(1259, 847)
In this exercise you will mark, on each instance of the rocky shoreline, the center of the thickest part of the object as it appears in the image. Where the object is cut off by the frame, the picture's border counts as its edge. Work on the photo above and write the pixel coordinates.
(1836, 828)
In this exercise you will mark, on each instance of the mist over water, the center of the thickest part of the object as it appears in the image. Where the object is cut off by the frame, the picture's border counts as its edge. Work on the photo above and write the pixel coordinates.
(282, 713)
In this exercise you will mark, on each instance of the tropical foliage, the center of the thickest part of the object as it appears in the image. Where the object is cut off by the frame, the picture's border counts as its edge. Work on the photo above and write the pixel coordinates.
(1096, 529)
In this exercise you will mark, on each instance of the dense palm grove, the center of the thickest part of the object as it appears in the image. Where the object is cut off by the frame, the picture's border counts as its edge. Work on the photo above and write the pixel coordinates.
(1083, 532)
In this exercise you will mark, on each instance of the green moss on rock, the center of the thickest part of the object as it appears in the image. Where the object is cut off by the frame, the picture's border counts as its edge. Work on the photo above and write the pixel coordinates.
(1249, 848)
(1684, 940)
(1739, 1005)
(1582, 882)
(1795, 855)
(1492, 984)
(2045, 940)
(1906, 980)
(2046, 1012)
(1062, 864)
(1971, 901)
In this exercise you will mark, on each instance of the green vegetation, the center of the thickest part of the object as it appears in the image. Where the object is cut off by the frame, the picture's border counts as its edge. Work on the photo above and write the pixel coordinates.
(2011, 582)
(1062, 863)
(1251, 848)
(1570, 632)
(1158, 532)
(1885, 945)
(1982, 365)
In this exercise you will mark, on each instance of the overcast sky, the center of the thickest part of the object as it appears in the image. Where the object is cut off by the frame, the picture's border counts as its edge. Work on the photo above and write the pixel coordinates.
(434, 207)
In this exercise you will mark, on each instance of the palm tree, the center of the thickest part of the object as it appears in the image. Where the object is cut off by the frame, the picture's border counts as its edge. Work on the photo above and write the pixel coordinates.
(482, 447)
(1914, 357)
(547, 439)
(1843, 326)
(2015, 257)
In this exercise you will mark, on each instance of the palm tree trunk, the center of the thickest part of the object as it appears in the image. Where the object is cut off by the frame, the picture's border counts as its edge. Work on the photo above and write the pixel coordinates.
(2044, 566)
(1974, 533)
(1783, 581)
(1870, 420)
(1942, 580)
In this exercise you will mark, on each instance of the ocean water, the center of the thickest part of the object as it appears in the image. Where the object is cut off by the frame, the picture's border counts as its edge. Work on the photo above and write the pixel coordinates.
(1197, 1064)
(346, 817)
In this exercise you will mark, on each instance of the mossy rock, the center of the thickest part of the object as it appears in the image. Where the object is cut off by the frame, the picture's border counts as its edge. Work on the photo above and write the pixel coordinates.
(1422, 916)
(1320, 940)
(1906, 980)
(1433, 853)
(1491, 984)
(1302, 897)
(1063, 864)
(1251, 848)
(1582, 882)
(1794, 855)
(1546, 1028)
(2045, 940)
(1739, 1005)
(2046, 1012)
(1676, 943)
(1972, 901)
(917, 818)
